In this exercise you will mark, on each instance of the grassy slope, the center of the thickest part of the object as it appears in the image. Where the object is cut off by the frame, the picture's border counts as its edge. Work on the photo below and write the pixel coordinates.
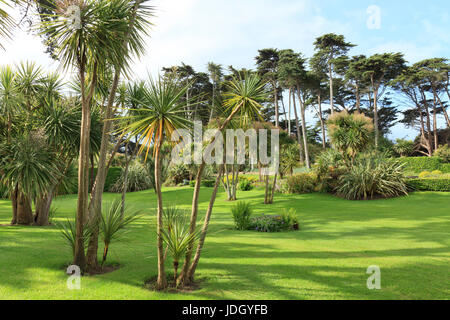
(408, 238)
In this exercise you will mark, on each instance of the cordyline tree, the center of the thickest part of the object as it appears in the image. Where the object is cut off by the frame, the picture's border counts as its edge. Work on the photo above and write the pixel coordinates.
(89, 47)
(243, 97)
(328, 48)
(136, 17)
(380, 70)
(162, 113)
(267, 64)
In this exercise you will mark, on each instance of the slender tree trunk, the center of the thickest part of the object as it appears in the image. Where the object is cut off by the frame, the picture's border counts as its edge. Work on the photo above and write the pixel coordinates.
(435, 132)
(375, 113)
(305, 139)
(193, 220)
(284, 111)
(297, 124)
(277, 115)
(322, 122)
(330, 75)
(358, 98)
(274, 186)
(213, 102)
(95, 206)
(83, 164)
(289, 123)
(161, 282)
(193, 267)
(428, 121)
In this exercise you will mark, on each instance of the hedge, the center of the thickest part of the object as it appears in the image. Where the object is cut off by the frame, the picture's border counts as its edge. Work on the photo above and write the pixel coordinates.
(205, 183)
(442, 185)
(419, 164)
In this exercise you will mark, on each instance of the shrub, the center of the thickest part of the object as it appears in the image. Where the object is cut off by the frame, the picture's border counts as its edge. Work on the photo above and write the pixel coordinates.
(443, 152)
(178, 173)
(424, 174)
(419, 164)
(372, 177)
(245, 185)
(267, 224)
(404, 148)
(301, 183)
(290, 218)
(442, 185)
(436, 173)
(241, 212)
(138, 179)
(276, 223)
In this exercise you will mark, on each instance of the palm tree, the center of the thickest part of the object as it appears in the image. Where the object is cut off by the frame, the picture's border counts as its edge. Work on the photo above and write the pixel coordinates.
(350, 133)
(138, 20)
(161, 114)
(243, 96)
(97, 42)
(10, 97)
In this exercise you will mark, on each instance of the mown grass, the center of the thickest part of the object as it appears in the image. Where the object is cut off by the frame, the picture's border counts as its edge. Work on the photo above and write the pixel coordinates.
(408, 238)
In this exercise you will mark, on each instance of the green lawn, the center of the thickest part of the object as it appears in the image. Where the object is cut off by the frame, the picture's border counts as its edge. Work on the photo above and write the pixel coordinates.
(408, 238)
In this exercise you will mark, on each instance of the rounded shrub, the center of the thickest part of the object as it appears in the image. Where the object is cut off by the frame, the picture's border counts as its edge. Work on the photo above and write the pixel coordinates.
(301, 183)
(241, 212)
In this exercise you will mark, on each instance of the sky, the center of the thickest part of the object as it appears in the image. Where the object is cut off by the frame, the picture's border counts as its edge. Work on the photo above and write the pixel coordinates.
(230, 32)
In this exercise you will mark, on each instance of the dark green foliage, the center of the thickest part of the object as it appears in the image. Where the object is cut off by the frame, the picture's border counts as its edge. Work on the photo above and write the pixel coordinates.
(241, 212)
(178, 173)
(442, 185)
(68, 232)
(245, 185)
(286, 221)
(301, 183)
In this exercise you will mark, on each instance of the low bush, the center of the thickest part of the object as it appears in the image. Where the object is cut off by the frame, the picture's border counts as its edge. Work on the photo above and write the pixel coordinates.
(372, 177)
(241, 212)
(419, 164)
(245, 185)
(138, 179)
(442, 185)
(443, 152)
(445, 167)
(178, 173)
(301, 183)
(276, 223)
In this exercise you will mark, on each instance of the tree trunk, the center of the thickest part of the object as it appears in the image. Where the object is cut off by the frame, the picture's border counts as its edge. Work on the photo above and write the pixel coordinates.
(305, 138)
(330, 74)
(193, 220)
(444, 108)
(273, 188)
(277, 116)
(161, 282)
(43, 205)
(14, 198)
(284, 111)
(24, 212)
(289, 116)
(375, 114)
(201, 241)
(358, 98)
(83, 164)
(322, 123)
(297, 124)
(95, 206)
(435, 132)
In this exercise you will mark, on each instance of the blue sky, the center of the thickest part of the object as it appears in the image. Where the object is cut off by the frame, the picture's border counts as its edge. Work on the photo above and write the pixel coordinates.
(231, 31)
